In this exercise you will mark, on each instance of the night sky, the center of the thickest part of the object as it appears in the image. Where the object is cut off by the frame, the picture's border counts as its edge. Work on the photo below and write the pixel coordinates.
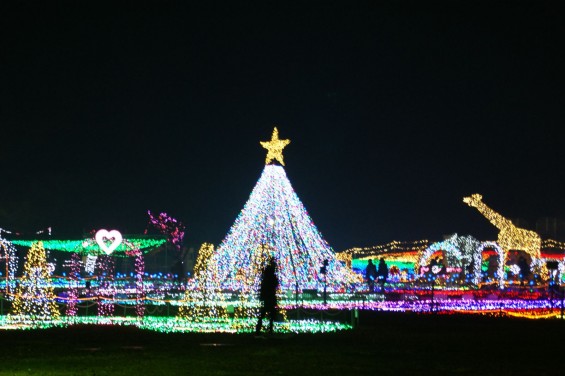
(395, 111)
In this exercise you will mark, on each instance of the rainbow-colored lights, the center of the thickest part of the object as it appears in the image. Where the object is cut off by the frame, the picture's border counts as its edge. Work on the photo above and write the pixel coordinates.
(460, 274)
(274, 221)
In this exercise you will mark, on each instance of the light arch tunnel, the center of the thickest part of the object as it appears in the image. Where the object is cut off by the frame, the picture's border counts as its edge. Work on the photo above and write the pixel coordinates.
(458, 252)
(468, 253)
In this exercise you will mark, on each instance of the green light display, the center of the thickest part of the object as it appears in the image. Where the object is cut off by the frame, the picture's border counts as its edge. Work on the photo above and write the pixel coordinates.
(89, 245)
(176, 325)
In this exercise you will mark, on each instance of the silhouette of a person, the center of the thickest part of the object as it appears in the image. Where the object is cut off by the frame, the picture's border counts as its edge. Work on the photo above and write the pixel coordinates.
(268, 295)
(371, 275)
(432, 268)
(524, 270)
(382, 273)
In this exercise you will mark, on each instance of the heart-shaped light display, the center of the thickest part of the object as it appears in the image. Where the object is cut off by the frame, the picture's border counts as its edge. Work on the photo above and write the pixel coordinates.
(102, 236)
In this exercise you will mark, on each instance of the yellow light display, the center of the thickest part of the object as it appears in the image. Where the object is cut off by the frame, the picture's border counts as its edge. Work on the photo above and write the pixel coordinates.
(394, 246)
(275, 147)
(203, 300)
(35, 298)
(206, 250)
(553, 245)
(345, 257)
(511, 237)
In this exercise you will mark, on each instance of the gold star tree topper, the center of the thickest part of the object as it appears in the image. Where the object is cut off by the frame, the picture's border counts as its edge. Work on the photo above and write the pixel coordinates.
(275, 147)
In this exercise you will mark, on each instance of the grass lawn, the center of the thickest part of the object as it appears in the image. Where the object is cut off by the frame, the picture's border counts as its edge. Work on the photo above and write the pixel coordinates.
(383, 344)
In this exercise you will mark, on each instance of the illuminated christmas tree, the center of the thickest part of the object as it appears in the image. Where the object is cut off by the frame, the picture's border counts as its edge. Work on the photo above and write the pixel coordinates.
(35, 298)
(275, 219)
(203, 299)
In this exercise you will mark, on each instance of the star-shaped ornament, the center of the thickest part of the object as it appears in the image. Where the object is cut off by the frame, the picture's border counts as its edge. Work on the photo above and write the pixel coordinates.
(275, 148)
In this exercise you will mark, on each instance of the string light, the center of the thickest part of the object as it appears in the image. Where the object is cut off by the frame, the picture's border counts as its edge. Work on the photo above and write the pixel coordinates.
(204, 253)
(222, 295)
(464, 252)
(106, 289)
(511, 237)
(18, 233)
(273, 223)
(175, 325)
(275, 148)
(552, 249)
(169, 226)
(274, 217)
(203, 300)
(394, 246)
(74, 276)
(9, 255)
(139, 286)
(35, 298)
(89, 246)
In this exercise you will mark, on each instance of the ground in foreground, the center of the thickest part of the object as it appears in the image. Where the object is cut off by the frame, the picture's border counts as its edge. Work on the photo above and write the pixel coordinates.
(383, 344)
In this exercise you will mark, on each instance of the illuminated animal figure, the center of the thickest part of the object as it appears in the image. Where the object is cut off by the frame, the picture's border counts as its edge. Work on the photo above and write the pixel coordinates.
(510, 237)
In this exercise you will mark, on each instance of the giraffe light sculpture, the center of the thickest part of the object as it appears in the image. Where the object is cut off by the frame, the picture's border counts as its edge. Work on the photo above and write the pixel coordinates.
(511, 237)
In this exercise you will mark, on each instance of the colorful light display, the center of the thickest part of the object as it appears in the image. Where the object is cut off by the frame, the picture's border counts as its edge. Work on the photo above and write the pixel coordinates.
(74, 276)
(460, 251)
(176, 325)
(169, 226)
(511, 237)
(90, 246)
(204, 253)
(203, 300)
(274, 217)
(106, 289)
(35, 298)
(222, 295)
(8, 254)
(273, 223)
(140, 288)
(464, 253)
(411, 256)
(394, 246)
